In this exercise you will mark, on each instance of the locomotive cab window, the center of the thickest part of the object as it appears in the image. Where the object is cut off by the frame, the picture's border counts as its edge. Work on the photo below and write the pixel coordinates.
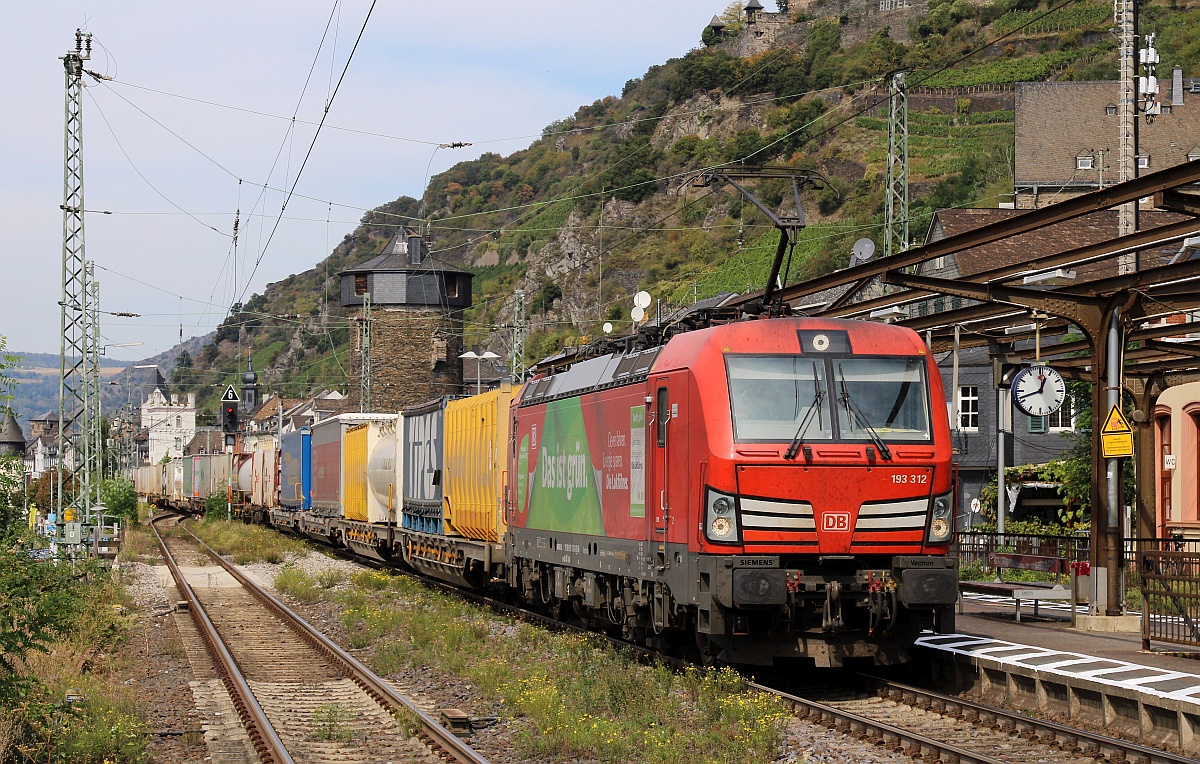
(885, 395)
(773, 397)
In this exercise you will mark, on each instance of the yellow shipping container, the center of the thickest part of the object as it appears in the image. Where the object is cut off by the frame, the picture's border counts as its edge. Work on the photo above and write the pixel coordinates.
(354, 472)
(476, 462)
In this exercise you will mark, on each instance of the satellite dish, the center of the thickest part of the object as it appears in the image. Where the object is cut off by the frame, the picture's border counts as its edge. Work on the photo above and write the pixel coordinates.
(642, 300)
(638, 312)
(607, 328)
(862, 251)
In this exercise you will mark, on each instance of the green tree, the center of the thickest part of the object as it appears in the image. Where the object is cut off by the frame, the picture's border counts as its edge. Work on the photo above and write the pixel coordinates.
(183, 377)
(119, 498)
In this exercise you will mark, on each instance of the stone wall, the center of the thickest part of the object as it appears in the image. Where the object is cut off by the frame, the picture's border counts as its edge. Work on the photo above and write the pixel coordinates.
(414, 358)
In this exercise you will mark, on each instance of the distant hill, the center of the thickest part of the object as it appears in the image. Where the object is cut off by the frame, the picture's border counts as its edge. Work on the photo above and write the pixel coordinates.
(37, 376)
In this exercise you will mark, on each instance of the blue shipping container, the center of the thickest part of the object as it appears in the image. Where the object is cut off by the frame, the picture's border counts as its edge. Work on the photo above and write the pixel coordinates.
(295, 470)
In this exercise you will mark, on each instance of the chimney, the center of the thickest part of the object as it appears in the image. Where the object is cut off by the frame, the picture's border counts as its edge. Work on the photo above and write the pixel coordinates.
(174, 399)
(1177, 86)
(416, 249)
(191, 400)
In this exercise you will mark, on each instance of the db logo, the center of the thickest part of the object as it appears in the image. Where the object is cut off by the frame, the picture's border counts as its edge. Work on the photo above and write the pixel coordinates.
(838, 522)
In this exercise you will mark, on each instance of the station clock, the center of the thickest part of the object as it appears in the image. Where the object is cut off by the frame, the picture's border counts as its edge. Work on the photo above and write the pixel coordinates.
(1039, 390)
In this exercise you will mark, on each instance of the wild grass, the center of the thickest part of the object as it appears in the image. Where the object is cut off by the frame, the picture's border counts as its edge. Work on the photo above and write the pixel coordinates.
(293, 581)
(330, 723)
(138, 544)
(572, 695)
(75, 712)
(247, 543)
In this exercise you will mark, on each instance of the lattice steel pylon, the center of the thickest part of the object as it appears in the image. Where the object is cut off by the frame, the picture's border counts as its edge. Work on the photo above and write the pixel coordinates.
(73, 400)
(895, 203)
(517, 362)
(1125, 20)
(364, 347)
(93, 470)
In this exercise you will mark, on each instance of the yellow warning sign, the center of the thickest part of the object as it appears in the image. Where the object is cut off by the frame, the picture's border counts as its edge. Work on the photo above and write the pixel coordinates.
(1116, 437)
(1116, 421)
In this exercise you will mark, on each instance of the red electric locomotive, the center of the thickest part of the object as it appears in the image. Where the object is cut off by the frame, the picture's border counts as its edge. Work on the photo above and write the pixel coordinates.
(780, 488)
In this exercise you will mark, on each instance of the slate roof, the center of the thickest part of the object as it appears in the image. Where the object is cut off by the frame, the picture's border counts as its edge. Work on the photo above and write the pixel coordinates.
(11, 431)
(1059, 121)
(394, 257)
(1069, 234)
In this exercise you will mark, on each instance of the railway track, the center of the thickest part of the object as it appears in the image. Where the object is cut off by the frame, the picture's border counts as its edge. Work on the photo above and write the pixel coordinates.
(299, 696)
(923, 724)
(951, 730)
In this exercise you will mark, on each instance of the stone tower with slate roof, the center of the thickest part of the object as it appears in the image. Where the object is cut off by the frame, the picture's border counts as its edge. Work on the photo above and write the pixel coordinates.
(416, 315)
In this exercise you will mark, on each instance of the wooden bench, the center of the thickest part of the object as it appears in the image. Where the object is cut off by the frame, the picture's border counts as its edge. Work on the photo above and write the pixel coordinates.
(1025, 590)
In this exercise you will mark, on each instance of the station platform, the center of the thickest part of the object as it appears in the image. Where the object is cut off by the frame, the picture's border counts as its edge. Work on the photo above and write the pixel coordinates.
(1042, 664)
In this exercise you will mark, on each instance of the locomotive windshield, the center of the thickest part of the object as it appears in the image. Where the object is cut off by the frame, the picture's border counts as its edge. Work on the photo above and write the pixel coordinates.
(886, 395)
(771, 398)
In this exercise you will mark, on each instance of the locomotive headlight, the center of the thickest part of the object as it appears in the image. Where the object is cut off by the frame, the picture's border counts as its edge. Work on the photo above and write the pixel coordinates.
(721, 527)
(941, 523)
(720, 522)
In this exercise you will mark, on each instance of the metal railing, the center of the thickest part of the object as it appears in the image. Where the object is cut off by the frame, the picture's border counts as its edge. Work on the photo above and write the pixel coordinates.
(975, 548)
(1170, 583)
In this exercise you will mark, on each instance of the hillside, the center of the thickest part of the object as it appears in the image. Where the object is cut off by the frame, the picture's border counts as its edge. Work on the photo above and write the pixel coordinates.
(600, 206)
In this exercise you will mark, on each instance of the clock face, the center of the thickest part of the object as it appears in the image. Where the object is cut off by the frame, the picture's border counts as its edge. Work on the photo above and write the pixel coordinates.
(1039, 390)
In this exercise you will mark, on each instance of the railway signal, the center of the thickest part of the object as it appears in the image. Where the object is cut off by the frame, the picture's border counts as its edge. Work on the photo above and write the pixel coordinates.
(229, 410)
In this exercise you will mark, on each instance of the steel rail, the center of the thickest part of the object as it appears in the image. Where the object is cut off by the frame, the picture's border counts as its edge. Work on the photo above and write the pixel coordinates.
(434, 734)
(912, 743)
(266, 741)
(1111, 748)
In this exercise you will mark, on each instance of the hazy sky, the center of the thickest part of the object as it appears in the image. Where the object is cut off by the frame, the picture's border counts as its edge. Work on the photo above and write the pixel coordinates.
(172, 148)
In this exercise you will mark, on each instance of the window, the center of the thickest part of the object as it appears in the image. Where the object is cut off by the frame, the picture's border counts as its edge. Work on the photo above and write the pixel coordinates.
(1111, 109)
(1165, 108)
(178, 443)
(663, 412)
(1193, 156)
(1062, 420)
(1143, 162)
(968, 407)
(178, 422)
(1037, 424)
(774, 397)
(360, 284)
(885, 397)
(451, 285)
(1083, 162)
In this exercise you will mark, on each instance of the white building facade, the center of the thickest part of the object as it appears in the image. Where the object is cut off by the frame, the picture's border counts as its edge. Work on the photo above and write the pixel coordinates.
(169, 424)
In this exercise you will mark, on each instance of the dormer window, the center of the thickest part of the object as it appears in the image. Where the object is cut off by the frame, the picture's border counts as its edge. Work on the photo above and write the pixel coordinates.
(1111, 109)
(1084, 162)
(1194, 154)
(1143, 162)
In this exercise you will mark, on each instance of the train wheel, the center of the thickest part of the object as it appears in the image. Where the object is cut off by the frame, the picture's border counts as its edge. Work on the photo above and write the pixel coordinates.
(708, 650)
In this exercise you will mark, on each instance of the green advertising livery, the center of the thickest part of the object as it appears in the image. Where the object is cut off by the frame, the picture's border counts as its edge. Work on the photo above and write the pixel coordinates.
(563, 491)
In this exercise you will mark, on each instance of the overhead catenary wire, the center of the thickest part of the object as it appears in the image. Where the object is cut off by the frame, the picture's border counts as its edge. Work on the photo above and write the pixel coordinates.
(542, 203)
(311, 146)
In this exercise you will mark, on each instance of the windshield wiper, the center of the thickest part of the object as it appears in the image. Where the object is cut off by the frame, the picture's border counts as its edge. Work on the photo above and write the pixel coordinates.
(853, 408)
(815, 408)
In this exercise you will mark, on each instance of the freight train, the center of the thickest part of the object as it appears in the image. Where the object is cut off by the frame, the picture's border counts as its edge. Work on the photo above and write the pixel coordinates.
(755, 491)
